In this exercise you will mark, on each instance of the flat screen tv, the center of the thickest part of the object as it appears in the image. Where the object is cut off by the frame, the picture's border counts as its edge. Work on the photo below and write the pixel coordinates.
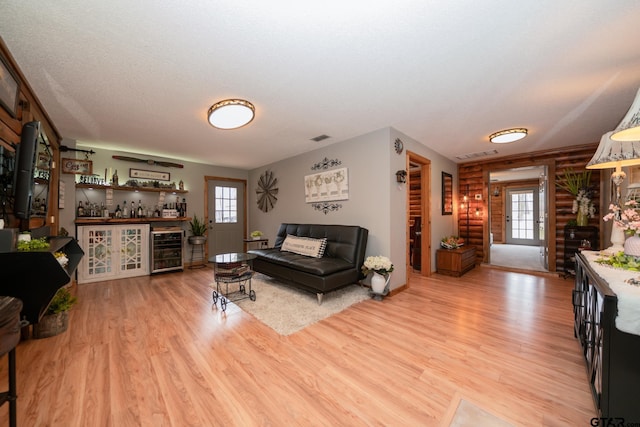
(25, 164)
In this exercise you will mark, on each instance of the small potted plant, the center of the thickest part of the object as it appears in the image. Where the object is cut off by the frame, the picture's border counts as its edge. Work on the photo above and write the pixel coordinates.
(451, 242)
(198, 230)
(256, 235)
(30, 245)
(56, 318)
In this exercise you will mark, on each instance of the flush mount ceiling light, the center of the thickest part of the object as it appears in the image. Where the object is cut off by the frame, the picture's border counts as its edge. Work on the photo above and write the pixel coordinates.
(508, 135)
(231, 113)
(629, 127)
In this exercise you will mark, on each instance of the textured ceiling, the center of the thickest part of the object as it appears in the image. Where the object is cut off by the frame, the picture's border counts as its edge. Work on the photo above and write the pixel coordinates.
(139, 76)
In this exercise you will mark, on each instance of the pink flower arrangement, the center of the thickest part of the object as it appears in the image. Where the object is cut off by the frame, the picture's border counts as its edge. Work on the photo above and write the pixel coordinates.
(626, 217)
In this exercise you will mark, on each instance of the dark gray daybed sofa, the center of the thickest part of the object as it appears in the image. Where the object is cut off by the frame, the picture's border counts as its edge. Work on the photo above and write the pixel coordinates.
(338, 267)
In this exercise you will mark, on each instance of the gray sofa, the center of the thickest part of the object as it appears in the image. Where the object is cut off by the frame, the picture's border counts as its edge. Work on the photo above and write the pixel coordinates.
(338, 267)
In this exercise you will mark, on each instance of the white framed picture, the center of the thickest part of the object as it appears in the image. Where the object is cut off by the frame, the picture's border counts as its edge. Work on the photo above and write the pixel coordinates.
(327, 186)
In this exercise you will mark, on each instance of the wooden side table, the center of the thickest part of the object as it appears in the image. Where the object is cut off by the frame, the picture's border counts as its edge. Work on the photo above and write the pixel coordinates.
(455, 262)
(261, 243)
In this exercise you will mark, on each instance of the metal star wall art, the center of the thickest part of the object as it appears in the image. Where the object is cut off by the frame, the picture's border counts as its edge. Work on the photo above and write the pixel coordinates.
(267, 191)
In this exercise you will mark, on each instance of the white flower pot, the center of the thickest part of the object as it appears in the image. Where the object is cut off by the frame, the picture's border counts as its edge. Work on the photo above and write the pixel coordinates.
(632, 246)
(379, 283)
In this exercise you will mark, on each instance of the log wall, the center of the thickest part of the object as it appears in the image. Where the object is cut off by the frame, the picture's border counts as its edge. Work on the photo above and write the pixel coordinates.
(476, 176)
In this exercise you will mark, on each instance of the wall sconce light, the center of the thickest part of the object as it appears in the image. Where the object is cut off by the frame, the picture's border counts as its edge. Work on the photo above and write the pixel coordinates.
(401, 176)
(465, 206)
(496, 192)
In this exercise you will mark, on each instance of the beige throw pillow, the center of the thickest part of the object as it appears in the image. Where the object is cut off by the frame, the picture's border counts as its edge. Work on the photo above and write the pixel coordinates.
(304, 246)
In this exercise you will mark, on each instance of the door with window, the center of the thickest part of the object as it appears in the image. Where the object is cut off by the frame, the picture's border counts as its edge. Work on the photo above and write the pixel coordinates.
(226, 216)
(522, 216)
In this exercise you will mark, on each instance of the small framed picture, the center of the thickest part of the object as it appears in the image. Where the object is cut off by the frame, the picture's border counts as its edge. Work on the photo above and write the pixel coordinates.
(145, 174)
(9, 88)
(77, 166)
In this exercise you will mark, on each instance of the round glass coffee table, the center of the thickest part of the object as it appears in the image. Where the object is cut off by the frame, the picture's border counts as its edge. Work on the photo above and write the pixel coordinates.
(232, 271)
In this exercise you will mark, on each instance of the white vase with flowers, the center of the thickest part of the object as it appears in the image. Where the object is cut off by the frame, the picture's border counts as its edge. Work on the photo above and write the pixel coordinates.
(579, 185)
(627, 218)
(381, 267)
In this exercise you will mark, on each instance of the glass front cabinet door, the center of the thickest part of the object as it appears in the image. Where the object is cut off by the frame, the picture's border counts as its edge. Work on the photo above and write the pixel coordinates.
(113, 251)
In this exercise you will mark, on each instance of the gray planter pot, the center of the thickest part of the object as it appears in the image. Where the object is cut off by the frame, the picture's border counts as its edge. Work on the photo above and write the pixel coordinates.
(197, 240)
(51, 325)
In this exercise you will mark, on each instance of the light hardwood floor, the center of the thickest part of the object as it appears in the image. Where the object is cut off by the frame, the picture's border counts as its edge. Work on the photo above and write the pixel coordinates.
(151, 351)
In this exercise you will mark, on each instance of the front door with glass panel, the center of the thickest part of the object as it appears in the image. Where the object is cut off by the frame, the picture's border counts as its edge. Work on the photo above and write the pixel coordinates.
(226, 216)
(522, 216)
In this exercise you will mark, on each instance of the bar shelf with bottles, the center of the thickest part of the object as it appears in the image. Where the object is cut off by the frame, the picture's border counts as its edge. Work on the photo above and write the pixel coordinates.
(95, 212)
(131, 213)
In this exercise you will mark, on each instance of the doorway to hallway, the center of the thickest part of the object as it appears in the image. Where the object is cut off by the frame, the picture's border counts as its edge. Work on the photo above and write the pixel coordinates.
(418, 215)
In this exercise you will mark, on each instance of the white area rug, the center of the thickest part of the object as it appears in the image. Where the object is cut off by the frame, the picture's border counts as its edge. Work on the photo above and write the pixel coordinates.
(517, 256)
(287, 310)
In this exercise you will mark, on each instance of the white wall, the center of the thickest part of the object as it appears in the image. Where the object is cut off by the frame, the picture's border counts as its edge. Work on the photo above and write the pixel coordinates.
(441, 225)
(376, 201)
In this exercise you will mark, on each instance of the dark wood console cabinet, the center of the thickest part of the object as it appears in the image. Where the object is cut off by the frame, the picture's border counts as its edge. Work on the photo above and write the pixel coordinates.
(455, 262)
(573, 237)
(611, 355)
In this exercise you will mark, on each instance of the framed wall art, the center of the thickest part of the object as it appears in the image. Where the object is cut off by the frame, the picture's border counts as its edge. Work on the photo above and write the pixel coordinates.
(326, 186)
(77, 166)
(9, 88)
(145, 174)
(447, 194)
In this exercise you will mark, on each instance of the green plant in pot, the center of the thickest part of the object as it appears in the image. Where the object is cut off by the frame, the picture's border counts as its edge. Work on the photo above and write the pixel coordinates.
(56, 318)
(198, 231)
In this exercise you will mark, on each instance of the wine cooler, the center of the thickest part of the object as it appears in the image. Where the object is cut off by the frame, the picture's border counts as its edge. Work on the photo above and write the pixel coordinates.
(166, 249)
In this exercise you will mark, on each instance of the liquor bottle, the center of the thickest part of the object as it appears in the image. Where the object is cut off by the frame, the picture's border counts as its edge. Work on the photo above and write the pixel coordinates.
(80, 211)
(125, 210)
(140, 214)
(118, 212)
(114, 179)
(132, 211)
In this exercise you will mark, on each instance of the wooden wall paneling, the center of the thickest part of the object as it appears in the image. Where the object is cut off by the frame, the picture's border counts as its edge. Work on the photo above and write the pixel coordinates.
(30, 109)
(560, 202)
(497, 212)
(415, 208)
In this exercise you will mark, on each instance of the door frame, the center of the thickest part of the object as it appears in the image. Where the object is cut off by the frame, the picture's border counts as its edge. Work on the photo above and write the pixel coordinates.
(208, 178)
(551, 205)
(425, 226)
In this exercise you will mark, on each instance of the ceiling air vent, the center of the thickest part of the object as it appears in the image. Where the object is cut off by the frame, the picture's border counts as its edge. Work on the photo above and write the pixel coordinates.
(320, 138)
(476, 155)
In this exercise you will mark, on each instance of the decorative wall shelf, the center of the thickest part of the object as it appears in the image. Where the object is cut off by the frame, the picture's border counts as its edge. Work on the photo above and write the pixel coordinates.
(145, 220)
(125, 188)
